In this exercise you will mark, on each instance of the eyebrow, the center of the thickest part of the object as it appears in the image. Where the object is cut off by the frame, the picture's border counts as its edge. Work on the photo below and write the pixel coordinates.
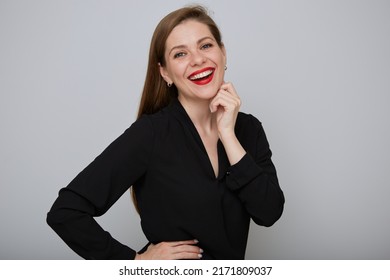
(185, 46)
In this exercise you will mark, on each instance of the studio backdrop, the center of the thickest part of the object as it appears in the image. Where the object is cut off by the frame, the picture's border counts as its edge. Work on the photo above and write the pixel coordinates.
(315, 73)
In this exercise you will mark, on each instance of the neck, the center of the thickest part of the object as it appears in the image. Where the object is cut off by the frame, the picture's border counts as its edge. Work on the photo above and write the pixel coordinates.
(199, 113)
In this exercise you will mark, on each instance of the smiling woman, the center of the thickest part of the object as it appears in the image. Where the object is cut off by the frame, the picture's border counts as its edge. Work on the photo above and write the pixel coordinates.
(194, 62)
(199, 168)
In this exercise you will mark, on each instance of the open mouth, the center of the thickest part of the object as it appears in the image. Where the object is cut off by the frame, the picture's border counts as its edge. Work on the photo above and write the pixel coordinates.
(203, 76)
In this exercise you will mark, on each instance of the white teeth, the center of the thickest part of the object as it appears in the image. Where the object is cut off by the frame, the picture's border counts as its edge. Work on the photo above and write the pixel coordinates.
(201, 75)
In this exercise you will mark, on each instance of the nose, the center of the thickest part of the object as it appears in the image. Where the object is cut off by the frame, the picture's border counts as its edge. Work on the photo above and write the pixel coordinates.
(197, 58)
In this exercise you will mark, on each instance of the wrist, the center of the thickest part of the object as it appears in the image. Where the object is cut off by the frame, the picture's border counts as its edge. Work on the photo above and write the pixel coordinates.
(233, 148)
(227, 136)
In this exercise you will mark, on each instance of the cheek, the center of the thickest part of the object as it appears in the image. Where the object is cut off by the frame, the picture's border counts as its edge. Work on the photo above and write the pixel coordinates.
(178, 71)
(223, 60)
(220, 60)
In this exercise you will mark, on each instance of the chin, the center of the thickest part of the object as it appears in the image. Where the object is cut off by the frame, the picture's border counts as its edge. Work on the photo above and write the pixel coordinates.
(206, 93)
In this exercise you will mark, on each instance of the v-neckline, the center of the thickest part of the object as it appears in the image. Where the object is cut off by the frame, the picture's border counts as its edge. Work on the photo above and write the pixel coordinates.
(221, 155)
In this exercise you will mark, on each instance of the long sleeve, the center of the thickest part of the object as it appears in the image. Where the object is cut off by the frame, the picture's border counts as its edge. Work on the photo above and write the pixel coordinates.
(96, 189)
(254, 180)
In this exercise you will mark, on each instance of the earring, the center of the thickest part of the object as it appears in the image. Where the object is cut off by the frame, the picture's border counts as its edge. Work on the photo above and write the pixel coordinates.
(225, 67)
(169, 84)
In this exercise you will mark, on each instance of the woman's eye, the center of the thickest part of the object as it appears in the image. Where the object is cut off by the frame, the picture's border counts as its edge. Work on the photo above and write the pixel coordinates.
(207, 46)
(179, 54)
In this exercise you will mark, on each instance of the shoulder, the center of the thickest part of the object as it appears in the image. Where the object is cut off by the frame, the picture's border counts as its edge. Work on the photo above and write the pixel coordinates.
(153, 121)
(158, 124)
(250, 132)
(247, 122)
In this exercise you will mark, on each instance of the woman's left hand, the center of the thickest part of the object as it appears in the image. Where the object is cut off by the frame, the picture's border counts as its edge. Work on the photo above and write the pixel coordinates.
(226, 104)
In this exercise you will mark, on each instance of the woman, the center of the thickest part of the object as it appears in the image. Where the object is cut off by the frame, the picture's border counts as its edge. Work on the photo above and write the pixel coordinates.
(199, 169)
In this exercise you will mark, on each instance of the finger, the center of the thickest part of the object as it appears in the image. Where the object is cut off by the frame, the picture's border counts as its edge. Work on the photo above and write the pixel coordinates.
(183, 242)
(219, 100)
(187, 256)
(186, 248)
(171, 250)
(229, 92)
(224, 99)
(187, 252)
(234, 99)
(227, 86)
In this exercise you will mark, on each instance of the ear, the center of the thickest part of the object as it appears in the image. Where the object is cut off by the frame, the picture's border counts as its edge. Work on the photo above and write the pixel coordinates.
(224, 53)
(164, 73)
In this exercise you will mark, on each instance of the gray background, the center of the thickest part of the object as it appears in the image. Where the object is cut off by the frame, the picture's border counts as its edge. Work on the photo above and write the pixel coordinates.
(316, 73)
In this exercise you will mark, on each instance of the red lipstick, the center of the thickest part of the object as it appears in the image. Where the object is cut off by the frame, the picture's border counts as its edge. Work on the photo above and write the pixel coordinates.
(202, 76)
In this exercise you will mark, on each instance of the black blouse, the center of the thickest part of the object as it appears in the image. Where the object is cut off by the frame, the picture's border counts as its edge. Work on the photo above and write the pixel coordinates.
(179, 198)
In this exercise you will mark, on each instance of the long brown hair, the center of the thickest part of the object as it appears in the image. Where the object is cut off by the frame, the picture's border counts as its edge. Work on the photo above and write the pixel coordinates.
(156, 94)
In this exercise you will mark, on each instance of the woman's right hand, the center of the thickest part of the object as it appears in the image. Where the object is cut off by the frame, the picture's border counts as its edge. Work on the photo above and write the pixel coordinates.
(176, 250)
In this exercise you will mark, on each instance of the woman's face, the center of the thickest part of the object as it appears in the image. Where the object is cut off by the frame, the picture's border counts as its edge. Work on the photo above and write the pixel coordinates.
(194, 61)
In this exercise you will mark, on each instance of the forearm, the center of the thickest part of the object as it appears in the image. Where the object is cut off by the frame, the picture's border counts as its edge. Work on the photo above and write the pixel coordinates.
(258, 189)
(233, 147)
(80, 231)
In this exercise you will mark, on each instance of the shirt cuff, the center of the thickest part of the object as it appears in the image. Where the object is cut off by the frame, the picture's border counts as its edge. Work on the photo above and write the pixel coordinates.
(242, 173)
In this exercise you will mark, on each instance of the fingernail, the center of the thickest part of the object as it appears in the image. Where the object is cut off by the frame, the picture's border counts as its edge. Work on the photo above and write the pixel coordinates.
(200, 256)
(196, 240)
(201, 250)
